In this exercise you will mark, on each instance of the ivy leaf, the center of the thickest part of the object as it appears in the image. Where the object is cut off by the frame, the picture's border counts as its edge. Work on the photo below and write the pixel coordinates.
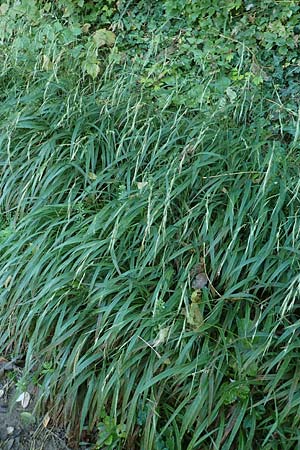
(92, 69)
(104, 37)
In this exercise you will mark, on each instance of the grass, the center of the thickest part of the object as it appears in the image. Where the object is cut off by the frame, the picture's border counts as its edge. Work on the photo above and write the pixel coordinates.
(110, 199)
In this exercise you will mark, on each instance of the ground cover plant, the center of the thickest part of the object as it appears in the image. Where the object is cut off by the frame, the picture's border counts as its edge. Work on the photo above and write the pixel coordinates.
(128, 174)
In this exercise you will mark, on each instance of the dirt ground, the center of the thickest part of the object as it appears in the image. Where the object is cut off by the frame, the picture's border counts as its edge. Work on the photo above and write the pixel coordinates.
(19, 428)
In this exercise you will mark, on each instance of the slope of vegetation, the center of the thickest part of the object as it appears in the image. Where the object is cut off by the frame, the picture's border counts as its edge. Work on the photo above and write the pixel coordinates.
(141, 146)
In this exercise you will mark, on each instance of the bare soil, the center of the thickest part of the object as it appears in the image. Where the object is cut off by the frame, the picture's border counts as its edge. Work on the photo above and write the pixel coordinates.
(19, 428)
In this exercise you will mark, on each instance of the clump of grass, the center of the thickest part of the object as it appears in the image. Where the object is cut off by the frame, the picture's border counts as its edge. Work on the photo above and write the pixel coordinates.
(116, 202)
(115, 199)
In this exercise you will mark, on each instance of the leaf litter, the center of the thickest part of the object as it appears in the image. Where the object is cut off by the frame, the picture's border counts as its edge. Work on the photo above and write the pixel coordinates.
(20, 428)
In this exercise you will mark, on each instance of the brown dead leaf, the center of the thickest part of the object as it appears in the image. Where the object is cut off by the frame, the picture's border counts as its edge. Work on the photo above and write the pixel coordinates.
(162, 336)
(85, 27)
(46, 420)
(92, 176)
(7, 281)
(200, 281)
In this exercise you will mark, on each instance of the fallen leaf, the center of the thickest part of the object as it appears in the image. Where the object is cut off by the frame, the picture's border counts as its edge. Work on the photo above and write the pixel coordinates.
(7, 281)
(162, 336)
(195, 317)
(1, 393)
(85, 27)
(92, 176)
(196, 296)
(24, 399)
(47, 64)
(46, 420)
(141, 184)
(10, 430)
(232, 95)
(200, 281)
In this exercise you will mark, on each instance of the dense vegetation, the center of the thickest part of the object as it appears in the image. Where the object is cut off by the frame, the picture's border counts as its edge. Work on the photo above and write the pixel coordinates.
(142, 143)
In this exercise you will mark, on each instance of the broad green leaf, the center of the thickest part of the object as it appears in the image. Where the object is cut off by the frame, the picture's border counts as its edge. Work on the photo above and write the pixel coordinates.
(104, 37)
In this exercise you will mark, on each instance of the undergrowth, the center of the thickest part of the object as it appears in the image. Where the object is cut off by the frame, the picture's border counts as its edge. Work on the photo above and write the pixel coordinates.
(110, 199)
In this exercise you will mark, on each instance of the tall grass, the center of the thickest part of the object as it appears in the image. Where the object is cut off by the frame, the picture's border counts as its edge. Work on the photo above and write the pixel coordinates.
(113, 200)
